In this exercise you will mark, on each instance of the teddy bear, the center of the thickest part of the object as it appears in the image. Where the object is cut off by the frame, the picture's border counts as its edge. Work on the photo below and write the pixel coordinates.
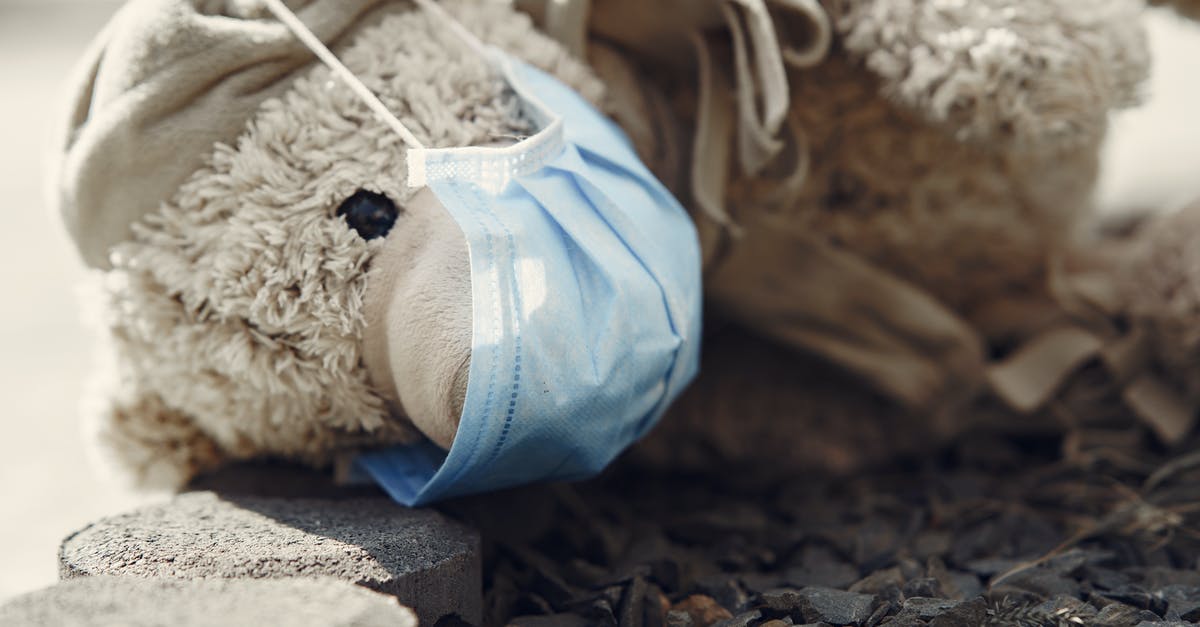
(236, 256)
(881, 190)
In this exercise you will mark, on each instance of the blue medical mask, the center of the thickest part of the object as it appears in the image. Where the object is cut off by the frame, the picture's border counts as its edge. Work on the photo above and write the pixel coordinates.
(586, 294)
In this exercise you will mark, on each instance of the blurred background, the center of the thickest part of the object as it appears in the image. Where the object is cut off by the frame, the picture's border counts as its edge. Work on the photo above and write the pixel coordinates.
(47, 486)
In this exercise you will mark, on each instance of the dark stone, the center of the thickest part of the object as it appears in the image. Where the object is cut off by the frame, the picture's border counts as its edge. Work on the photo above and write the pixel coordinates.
(968, 585)
(726, 590)
(835, 606)
(923, 587)
(676, 618)
(549, 620)
(671, 566)
(879, 581)
(762, 582)
(990, 567)
(546, 582)
(1068, 608)
(1105, 578)
(598, 613)
(821, 566)
(875, 544)
(632, 609)
(786, 600)
(704, 610)
(926, 608)
(655, 606)
(910, 568)
(1004, 592)
(973, 612)
(953, 584)
(978, 541)
(882, 611)
(1043, 582)
(1052, 613)
(745, 619)
(452, 621)
(1121, 615)
(1071, 561)
(931, 543)
(1155, 577)
(529, 603)
(1138, 597)
(1183, 602)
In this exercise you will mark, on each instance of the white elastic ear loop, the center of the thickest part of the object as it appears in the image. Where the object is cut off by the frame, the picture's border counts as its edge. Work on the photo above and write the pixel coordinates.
(306, 36)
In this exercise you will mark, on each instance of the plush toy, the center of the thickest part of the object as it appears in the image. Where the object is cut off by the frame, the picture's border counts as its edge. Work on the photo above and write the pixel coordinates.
(883, 190)
(237, 198)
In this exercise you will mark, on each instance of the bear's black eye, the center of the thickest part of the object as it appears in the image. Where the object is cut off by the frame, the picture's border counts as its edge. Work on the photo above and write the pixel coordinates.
(371, 215)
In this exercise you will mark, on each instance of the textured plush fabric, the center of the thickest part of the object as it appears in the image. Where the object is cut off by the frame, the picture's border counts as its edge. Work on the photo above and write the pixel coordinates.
(1161, 287)
(967, 221)
(921, 144)
(237, 308)
(956, 143)
(953, 144)
(1026, 75)
(162, 83)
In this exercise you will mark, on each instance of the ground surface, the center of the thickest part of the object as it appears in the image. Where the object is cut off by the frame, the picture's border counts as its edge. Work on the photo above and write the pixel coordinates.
(995, 531)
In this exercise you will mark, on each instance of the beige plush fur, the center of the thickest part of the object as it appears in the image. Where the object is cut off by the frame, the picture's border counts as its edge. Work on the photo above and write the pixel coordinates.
(1161, 286)
(237, 311)
(952, 144)
(956, 143)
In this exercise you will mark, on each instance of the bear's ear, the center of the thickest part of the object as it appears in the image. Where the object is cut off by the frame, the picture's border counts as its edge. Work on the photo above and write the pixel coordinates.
(163, 83)
(1033, 74)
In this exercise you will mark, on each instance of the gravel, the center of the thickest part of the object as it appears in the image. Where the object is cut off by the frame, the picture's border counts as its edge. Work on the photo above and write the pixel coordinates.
(997, 530)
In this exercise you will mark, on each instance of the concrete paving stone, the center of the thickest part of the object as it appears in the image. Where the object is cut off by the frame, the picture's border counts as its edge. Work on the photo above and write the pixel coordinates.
(104, 601)
(425, 560)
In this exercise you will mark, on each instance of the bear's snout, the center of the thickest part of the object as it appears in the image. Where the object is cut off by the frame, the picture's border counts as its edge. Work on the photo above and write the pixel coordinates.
(417, 345)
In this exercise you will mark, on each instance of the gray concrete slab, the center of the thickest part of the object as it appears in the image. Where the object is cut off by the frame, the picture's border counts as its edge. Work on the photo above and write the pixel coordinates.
(425, 560)
(137, 602)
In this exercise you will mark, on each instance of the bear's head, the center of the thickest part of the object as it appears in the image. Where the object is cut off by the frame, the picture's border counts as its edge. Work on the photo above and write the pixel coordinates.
(272, 286)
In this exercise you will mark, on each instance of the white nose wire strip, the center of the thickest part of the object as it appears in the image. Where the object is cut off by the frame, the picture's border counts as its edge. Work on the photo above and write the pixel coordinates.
(285, 15)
